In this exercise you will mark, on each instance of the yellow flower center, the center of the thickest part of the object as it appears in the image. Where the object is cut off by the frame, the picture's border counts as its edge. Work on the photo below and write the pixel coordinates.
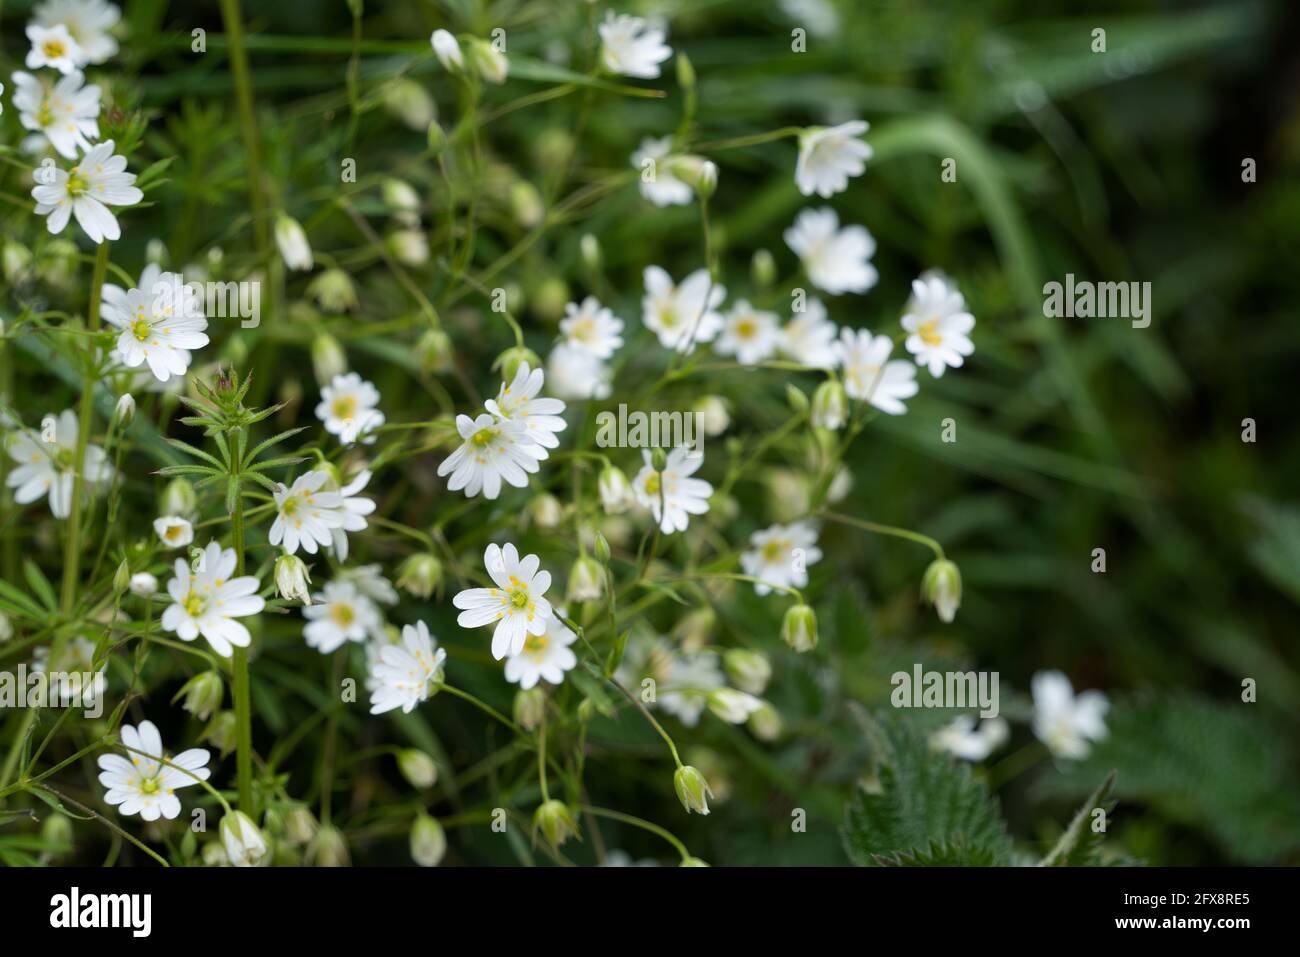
(77, 184)
(194, 605)
(345, 407)
(668, 316)
(746, 328)
(150, 786)
(289, 506)
(173, 533)
(652, 483)
(54, 49)
(141, 329)
(519, 597)
(483, 437)
(773, 552)
(535, 644)
(929, 333)
(44, 115)
(343, 615)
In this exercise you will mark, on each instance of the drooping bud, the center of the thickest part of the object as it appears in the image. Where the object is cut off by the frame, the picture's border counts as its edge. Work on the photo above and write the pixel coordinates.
(586, 579)
(328, 849)
(763, 268)
(830, 405)
(143, 584)
(941, 587)
(748, 670)
(409, 102)
(122, 577)
(799, 628)
(292, 240)
(292, 579)
(203, 694)
(327, 358)
(178, 498)
(421, 574)
(417, 767)
(732, 706)
(546, 510)
(765, 723)
(333, 291)
(243, 842)
(491, 63)
(554, 819)
(221, 732)
(508, 362)
(714, 417)
(428, 841)
(692, 790)
(124, 411)
(589, 247)
(300, 825)
(434, 350)
(615, 490)
(529, 708)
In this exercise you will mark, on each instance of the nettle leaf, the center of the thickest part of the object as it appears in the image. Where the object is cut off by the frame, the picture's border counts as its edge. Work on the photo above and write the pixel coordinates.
(1080, 845)
(1225, 768)
(925, 808)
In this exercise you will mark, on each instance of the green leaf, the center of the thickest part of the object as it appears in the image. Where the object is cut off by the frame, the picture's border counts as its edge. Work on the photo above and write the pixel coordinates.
(924, 807)
(1080, 845)
(40, 584)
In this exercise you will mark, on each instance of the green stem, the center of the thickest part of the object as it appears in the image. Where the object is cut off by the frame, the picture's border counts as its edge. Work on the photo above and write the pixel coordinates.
(234, 22)
(893, 530)
(638, 822)
(239, 669)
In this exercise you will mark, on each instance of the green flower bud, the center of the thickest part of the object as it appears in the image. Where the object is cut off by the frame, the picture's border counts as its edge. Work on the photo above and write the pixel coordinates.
(589, 247)
(400, 196)
(763, 269)
(799, 629)
(508, 362)
(435, 351)
(221, 732)
(546, 510)
(549, 297)
(292, 579)
(300, 825)
(327, 358)
(766, 723)
(421, 575)
(830, 405)
(328, 849)
(529, 707)
(428, 841)
(333, 291)
(178, 498)
(122, 577)
(601, 548)
(941, 587)
(714, 417)
(692, 862)
(410, 246)
(793, 395)
(658, 460)
(556, 823)
(243, 843)
(750, 671)
(203, 694)
(586, 579)
(692, 790)
(685, 72)
(526, 204)
(124, 411)
(436, 138)
(417, 767)
(615, 490)
(410, 102)
(56, 832)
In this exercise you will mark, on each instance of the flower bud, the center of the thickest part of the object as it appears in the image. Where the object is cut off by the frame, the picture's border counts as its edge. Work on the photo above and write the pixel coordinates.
(242, 841)
(436, 137)
(328, 849)
(589, 247)
(549, 297)
(400, 196)
(529, 707)
(327, 358)
(766, 723)
(508, 362)
(763, 268)
(292, 240)
(799, 629)
(428, 841)
(178, 498)
(300, 825)
(122, 577)
(600, 546)
(203, 694)
(409, 102)
(706, 184)
(658, 459)
(417, 767)
(143, 584)
(526, 204)
(124, 411)
(292, 579)
(410, 247)
(447, 49)
(586, 579)
(555, 821)
(714, 418)
(941, 587)
(546, 510)
(795, 397)
(692, 790)
(732, 706)
(221, 732)
(692, 862)
(615, 490)
(434, 350)
(17, 261)
(421, 575)
(685, 72)
(333, 291)
(56, 831)
(491, 63)
(748, 670)
(830, 405)
(695, 628)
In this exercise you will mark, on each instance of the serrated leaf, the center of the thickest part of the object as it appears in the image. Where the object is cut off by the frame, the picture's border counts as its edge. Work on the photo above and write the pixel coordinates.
(923, 801)
(1080, 845)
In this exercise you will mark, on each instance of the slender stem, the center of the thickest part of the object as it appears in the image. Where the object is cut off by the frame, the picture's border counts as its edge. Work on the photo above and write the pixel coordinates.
(893, 530)
(239, 668)
(482, 706)
(230, 14)
(641, 823)
(541, 758)
(72, 551)
(331, 739)
(648, 716)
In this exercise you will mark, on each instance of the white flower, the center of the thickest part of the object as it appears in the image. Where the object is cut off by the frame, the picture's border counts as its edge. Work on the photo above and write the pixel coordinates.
(575, 373)
(89, 23)
(519, 401)
(615, 490)
(870, 376)
(749, 334)
(547, 655)
(685, 689)
(141, 783)
(828, 156)
(353, 511)
(1065, 723)
(780, 556)
(938, 325)
(305, 515)
(98, 181)
(964, 740)
(348, 408)
(52, 47)
(208, 601)
(64, 113)
(658, 184)
(341, 613)
(809, 337)
(143, 584)
(672, 495)
(494, 450)
(159, 325)
(173, 531)
(295, 250)
(516, 604)
(732, 706)
(836, 260)
(371, 583)
(447, 49)
(47, 467)
(242, 841)
(682, 315)
(592, 327)
(632, 47)
(403, 675)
